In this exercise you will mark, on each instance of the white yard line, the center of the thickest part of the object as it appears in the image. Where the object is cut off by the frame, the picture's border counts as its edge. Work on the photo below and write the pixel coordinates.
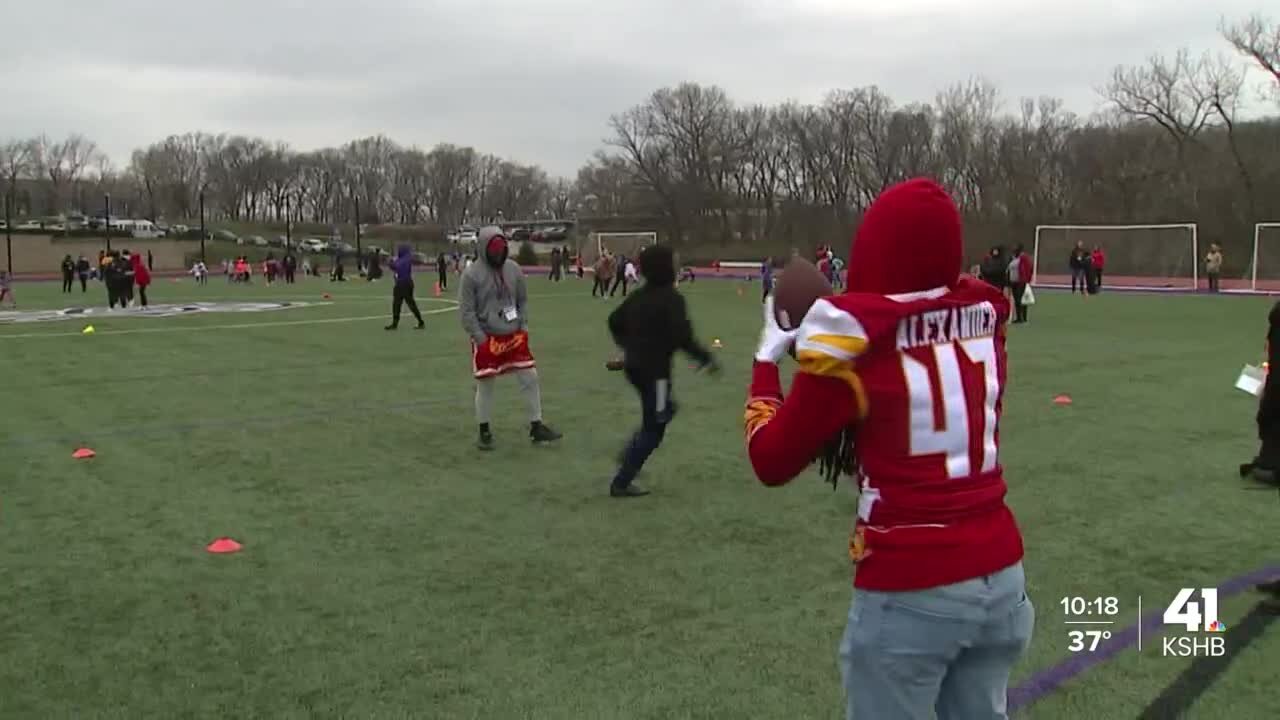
(232, 326)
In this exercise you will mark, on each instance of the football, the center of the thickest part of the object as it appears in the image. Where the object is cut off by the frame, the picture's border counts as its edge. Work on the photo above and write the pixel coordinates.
(799, 285)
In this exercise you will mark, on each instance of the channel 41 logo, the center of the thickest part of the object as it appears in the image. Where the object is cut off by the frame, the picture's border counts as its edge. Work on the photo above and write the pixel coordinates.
(1195, 617)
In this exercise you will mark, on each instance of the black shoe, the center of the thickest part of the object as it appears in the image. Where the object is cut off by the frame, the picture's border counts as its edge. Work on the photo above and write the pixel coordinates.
(390, 327)
(421, 325)
(1271, 588)
(1271, 605)
(486, 440)
(541, 433)
(628, 491)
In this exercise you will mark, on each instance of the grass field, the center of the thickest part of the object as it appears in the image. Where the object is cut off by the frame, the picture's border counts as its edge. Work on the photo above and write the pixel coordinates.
(389, 570)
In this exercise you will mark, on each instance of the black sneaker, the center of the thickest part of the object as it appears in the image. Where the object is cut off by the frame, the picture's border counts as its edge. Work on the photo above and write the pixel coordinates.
(390, 327)
(421, 326)
(629, 491)
(541, 433)
(486, 440)
(1271, 588)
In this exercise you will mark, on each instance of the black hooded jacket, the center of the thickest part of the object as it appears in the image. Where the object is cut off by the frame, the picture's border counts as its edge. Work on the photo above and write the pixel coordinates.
(653, 322)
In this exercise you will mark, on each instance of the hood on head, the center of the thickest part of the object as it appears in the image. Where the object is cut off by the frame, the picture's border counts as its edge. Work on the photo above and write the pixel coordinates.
(911, 239)
(492, 244)
(658, 265)
(403, 251)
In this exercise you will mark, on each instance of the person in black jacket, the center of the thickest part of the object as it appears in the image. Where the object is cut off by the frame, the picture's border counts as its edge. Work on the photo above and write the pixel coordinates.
(1081, 268)
(994, 268)
(1265, 467)
(83, 269)
(650, 326)
(68, 273)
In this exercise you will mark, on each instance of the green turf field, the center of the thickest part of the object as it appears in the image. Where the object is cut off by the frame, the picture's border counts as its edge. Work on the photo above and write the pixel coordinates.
(389, 570)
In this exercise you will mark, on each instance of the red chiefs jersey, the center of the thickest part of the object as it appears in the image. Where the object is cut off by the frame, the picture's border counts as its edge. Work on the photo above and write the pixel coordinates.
(921, 376)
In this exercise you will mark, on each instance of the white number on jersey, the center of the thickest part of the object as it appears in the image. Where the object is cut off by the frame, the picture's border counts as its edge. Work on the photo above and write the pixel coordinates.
(953, 439)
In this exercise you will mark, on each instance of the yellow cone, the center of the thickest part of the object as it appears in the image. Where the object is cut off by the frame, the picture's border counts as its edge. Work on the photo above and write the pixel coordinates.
(88, 330)
(716, 343)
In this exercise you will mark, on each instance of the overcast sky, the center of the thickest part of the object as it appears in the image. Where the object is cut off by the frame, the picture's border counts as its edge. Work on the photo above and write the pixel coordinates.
(534, 80)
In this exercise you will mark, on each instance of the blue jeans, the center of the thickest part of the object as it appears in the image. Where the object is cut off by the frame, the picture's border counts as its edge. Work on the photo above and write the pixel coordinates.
(946, 650)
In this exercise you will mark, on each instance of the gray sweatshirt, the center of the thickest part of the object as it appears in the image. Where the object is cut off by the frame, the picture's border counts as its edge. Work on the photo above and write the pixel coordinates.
(482, 300)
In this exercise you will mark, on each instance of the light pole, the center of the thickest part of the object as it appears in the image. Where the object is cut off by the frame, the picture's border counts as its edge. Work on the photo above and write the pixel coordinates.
(202, 233)
(359, 254)
(288, 224)
(8, 228)
(106, 203)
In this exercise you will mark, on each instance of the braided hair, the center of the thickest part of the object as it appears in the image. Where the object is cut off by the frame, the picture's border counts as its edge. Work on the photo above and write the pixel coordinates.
(838, 457)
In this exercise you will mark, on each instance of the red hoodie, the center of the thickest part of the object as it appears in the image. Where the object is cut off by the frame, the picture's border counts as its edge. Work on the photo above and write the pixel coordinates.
(141, 275)
(1099, 259)
(912, 357)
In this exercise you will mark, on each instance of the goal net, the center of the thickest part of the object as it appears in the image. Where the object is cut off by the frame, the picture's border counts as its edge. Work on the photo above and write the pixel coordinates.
(1266, 257)
(1152, 257)
(619, 243)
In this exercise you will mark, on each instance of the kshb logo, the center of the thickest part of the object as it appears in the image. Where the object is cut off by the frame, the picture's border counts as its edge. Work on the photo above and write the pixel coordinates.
(1194, 617)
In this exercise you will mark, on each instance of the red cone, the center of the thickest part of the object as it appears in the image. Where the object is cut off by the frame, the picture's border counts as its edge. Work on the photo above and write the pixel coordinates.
(83, 454)
(222, 546)
(1062, 400)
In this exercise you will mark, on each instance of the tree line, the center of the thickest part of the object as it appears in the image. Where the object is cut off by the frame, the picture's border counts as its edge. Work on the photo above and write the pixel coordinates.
(1169, 147)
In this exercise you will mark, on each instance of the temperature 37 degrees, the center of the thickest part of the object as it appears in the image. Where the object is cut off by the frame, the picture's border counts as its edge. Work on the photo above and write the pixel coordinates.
(1088, 621)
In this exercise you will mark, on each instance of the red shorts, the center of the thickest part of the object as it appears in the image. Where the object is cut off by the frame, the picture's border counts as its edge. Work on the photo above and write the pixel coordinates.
(501, 354)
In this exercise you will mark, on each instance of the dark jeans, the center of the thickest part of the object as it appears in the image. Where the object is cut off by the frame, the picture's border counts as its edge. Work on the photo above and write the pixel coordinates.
(402, 294)
(288, 275)
(619, 280)
(1019, 289)
(443, 279)
(601, 284)
(84, 282)
(67, 281)
(1079, 280)
(657, 409)
(1215, 282)
(142, 295)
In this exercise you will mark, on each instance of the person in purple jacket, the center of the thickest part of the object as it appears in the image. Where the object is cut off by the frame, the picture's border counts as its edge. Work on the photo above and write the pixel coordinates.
(402, 293)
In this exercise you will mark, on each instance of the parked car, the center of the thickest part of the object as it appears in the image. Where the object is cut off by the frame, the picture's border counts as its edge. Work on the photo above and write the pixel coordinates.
(520, 235)
(28, 225)
(313, 245)
(224, 236)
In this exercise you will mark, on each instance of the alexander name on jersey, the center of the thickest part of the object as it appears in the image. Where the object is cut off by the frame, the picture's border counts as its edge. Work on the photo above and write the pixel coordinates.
(945, 325)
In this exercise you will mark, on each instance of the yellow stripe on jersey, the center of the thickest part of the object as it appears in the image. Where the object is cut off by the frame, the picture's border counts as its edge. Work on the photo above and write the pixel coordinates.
(758, 414)
(818, 363)
(828, 342)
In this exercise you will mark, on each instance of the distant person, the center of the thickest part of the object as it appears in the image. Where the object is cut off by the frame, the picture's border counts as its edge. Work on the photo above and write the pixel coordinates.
(1081, 265)
(104, 261)
(402, 291)
(1098, 263)
(492, 303)
(83, 270)
(631, 276)
(200, 272)
(151, 263)
(619, 276)
(602, 271)
(995, 268)
(6, 289)
(442, 271)
(555, 265)
(141, 278)
(1213, 267)
(290, 265)
(373, 270)
(68, 273)
(129, 276)
(837, 273)
(271, 268)
(766, 278)
(578, 263)
(1019, 271)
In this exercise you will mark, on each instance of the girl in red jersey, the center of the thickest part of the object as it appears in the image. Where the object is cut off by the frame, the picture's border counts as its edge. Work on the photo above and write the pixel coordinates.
(940, 612)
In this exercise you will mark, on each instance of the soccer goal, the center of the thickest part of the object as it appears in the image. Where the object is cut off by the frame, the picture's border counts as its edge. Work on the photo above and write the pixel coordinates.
(619, 243)
(1148, 257)
(1265, 276)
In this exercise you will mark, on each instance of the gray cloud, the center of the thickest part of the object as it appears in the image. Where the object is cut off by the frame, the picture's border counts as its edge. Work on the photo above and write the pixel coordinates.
(534, 80)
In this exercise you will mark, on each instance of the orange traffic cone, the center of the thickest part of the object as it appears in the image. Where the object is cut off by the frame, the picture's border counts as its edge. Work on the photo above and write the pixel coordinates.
(1062, 400)
(223, 546)
(83, 454)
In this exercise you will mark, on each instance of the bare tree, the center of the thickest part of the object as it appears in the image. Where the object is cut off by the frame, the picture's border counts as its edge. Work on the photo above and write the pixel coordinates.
(1258, 38)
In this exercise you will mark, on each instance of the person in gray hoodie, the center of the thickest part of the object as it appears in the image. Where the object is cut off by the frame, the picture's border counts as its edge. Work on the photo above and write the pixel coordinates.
(492, 302)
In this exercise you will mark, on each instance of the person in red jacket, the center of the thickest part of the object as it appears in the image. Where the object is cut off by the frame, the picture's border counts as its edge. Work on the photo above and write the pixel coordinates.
(141, 276)
(900, 385)
(1099, 261)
